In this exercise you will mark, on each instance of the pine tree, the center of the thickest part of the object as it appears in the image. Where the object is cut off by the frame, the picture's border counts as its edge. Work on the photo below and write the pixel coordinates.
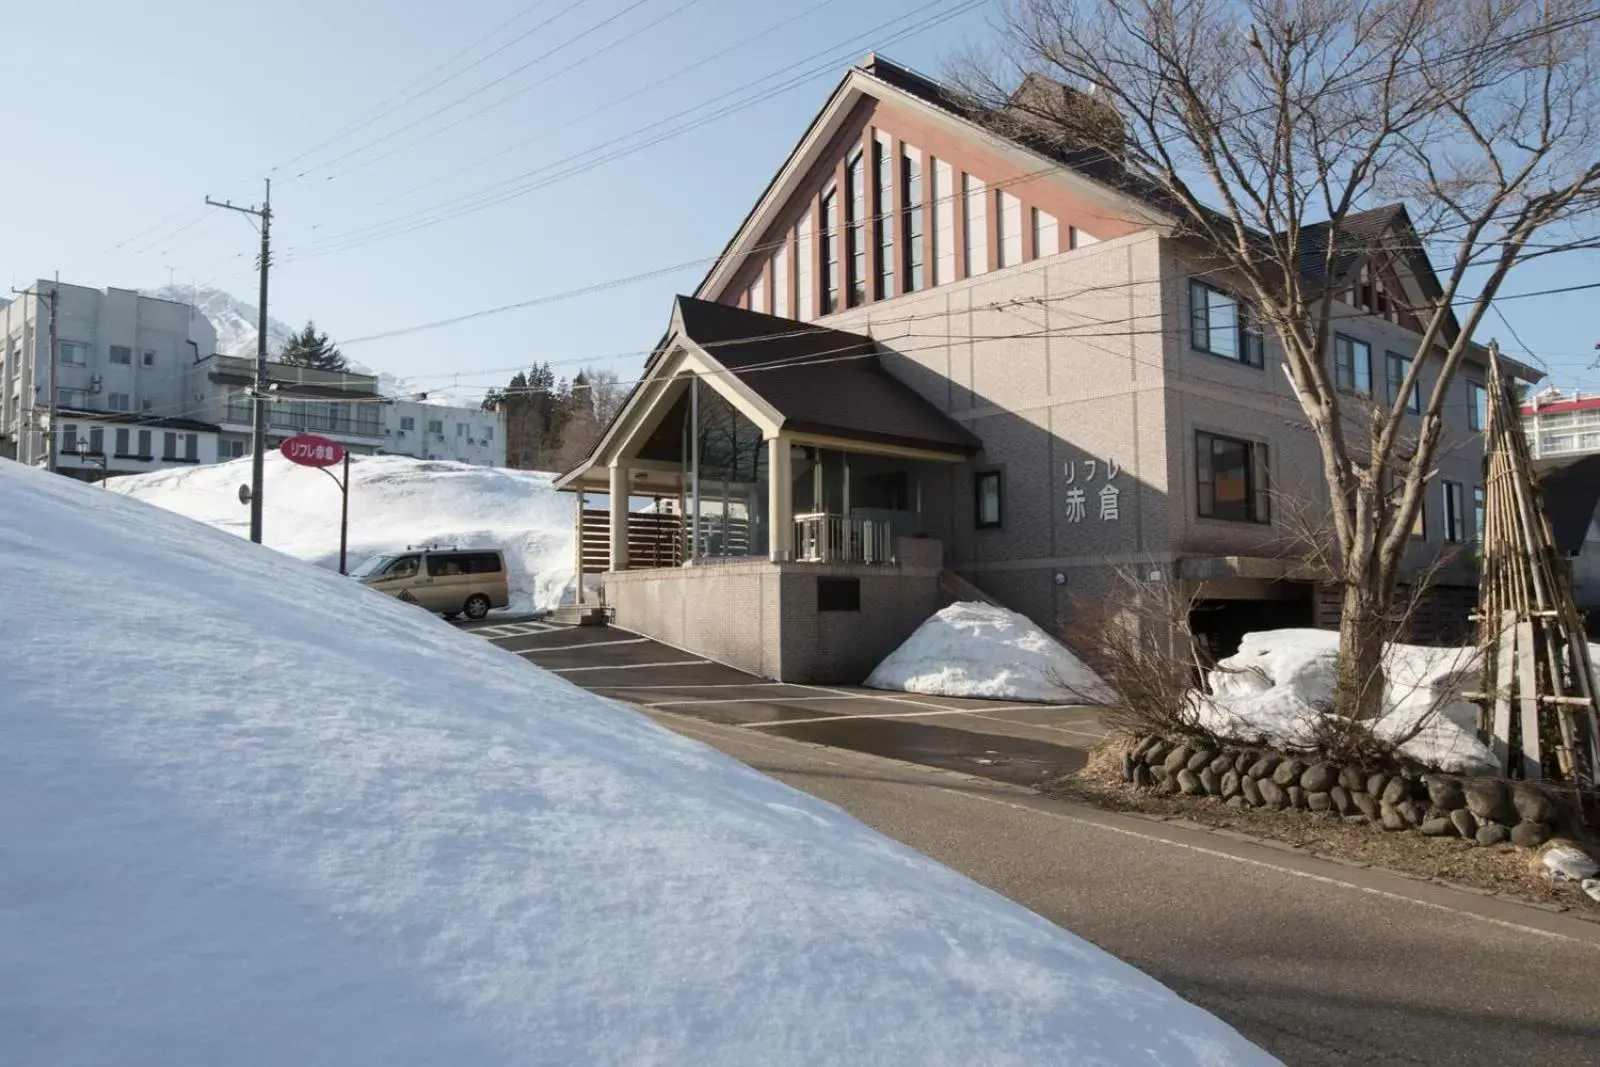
(308, 348)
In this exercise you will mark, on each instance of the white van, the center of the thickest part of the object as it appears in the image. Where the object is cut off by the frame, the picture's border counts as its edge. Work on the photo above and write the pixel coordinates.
(450, 581)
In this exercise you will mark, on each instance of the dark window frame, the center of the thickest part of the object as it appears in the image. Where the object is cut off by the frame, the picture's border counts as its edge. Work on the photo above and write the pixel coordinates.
(1455, 530)
(996, 475)
(1249, 340)
(1353, 385)
(1476, 419)
(913, 257)
(1390, 358)
(828, 215)
(124, 351)
(1258, 478)
(856, 281)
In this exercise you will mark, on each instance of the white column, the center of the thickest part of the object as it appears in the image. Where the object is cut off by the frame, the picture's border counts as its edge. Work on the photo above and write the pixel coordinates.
(619, 516)
(577, 549)
(780, 500)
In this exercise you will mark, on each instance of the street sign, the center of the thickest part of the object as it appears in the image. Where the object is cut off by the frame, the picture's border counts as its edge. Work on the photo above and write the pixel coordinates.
(309, 450)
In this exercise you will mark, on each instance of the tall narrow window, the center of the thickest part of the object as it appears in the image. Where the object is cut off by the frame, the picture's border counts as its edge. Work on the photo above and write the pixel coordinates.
(757, 298)
(856, 235)
(144, 444)
(975, 204)
(1454, 530)
(911, 204)
(830, 251)
(805, 269)
(1477, 513)
(1477, 405)
(1399, 367)
(97, 439)
(122, 442)
(69, 437)
(1010, 230)
(169, 446)
(780, 281)
(1352, 364)
(944, 223)
(1046, 234)
(987, 501)
(883, 216)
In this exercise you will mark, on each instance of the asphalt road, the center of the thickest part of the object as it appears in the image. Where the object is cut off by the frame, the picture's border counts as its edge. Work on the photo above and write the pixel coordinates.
(1316, 962)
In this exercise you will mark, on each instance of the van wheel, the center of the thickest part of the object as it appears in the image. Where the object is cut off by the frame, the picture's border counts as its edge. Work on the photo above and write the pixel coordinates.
(477, 606)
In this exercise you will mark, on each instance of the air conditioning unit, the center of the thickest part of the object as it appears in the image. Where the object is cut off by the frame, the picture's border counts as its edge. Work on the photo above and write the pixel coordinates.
(400, 433)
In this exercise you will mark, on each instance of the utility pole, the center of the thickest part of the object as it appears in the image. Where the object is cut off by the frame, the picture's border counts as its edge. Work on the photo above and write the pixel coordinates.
(258, 444)
(50, 379)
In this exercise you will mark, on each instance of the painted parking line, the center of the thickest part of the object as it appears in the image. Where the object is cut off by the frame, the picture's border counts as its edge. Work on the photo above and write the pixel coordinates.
(569, 648)
(866, 715)
(708, 685)
(1054, 729)
(757, 700)
(629, 666)
(514, 629)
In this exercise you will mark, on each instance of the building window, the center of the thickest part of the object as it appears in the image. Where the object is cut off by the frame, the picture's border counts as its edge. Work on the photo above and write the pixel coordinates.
(1399, 367)
(436, 426)
(149, 358)
(911, 205)
(856, 236)
(122, 442)
(146, 404)
(71, 398)
(461, 429)
(1419, 524)
(97, 440)
(1231, 478)
(191, 447)
(756, 298)
(838, 594)
(805, 258)
(1046, 234)
(169, 446)
(144, 444)
(1453, 527)
(987, 496)
(1221, 325)
(943, 248)
(1010, 229)
(883, 222)
(122, 354)
(69, 437)
(74, 354)
(1352, 365)
(117, 401)
(1477, 405)
(975, 204)
(407, 422)
(488, 433)
(1477, 513)
(830, 251)
(780, 281)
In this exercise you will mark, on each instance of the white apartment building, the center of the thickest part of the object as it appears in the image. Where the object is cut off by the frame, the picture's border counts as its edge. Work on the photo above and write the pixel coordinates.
(1561, 424)
(434, 431)
(124, 367)
(139, 386)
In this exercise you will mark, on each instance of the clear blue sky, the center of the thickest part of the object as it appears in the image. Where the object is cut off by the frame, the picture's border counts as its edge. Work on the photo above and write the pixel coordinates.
(123, 116)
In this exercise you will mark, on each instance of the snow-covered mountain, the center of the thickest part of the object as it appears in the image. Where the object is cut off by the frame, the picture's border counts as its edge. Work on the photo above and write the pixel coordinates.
(235, 323)
(232, 318)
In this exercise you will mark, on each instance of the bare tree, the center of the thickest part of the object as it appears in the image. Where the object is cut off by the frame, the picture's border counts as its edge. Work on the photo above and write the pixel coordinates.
(1263, 132)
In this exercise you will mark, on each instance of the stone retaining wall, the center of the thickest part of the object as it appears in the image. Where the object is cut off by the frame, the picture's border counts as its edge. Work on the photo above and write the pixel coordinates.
(1487, 811)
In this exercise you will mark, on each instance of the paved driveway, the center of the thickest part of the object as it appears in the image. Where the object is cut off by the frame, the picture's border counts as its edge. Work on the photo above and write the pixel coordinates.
(1019, 743)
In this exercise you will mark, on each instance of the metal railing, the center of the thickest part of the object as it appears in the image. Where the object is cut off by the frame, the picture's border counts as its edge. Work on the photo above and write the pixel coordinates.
(823, 538)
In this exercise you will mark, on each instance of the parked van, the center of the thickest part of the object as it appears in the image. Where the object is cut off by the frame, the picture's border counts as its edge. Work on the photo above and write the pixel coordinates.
(447, 580)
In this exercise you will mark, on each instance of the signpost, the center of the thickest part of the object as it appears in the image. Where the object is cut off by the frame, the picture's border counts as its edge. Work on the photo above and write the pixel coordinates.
(309, 450)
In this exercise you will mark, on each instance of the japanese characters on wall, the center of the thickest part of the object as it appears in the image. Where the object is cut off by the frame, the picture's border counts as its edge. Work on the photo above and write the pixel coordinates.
(1083, 498)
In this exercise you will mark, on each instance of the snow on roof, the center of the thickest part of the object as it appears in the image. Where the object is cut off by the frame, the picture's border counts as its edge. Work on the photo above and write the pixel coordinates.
(395, 501)
(260, 814)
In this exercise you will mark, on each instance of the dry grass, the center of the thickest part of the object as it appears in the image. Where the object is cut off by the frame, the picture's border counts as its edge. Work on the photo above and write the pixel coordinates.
(1498, 869)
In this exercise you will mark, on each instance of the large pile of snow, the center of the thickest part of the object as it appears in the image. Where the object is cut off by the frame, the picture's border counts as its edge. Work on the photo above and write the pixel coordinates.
(1280, 683)
(971, 649)
(255, 813)
(395, 501)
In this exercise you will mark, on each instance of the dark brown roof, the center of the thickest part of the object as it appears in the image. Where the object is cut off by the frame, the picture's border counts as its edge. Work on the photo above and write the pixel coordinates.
(1571, 492)
(134, 418)
(820, 380)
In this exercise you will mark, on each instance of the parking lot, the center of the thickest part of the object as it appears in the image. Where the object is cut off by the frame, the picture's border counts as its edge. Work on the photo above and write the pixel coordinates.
(1019, 743)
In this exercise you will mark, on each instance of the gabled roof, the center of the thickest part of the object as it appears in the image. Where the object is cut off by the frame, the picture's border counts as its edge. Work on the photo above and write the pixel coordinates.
(820, 380)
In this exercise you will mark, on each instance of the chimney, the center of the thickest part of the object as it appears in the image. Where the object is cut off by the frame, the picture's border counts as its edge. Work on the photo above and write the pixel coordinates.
(1074, 119)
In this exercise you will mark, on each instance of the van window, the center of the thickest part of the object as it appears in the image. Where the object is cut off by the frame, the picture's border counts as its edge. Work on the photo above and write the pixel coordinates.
(404, 567)
(445, 564)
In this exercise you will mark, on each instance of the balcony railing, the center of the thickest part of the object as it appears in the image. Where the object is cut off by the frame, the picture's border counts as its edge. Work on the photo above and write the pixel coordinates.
(823, 538)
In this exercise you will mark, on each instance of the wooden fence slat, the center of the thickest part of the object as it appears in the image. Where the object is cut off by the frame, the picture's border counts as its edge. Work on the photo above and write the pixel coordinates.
(1505, 668)
(1528, 698)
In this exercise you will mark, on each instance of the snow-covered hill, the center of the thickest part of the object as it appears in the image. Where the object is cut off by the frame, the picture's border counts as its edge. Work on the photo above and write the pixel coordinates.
(395, 501)
(256, 814)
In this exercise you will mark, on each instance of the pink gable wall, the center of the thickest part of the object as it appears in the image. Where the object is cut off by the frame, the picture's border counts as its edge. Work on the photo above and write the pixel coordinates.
(965, 154)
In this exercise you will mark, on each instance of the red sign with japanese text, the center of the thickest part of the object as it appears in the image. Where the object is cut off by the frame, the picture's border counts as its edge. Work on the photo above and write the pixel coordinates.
(309, 450)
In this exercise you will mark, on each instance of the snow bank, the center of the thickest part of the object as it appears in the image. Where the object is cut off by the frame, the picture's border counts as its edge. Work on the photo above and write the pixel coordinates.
(1275, 687)
(254, 813)
(395, 501)
(971, 649)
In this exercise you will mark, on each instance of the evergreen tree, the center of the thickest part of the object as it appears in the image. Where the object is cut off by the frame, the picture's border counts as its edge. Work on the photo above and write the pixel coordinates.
(308, 348)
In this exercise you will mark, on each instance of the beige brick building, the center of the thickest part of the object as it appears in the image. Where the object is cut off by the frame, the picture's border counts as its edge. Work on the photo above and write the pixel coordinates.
(931, 356)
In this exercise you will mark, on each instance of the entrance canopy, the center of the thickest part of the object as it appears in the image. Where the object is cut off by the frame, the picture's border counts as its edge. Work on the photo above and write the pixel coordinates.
(808, 384)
